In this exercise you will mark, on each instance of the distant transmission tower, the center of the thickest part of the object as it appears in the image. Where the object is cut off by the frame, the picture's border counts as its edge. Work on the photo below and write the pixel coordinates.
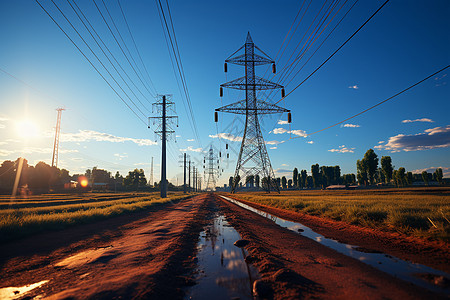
(56, 143)
(163, 129)
(151, 174)
(211, 169)
(253, 157)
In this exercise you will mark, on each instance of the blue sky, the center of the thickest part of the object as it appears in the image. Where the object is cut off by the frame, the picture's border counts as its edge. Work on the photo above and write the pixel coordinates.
(405, 42)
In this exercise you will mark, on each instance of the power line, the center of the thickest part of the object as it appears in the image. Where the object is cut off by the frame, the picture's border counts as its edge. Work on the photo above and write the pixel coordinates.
(336, 50)
(179, 64)
(125, 45)
(137, 49)
(103, 51)
(379, 103)
(101, 75)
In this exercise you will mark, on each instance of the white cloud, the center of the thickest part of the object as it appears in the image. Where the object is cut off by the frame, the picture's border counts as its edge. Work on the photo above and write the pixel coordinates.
(284, 165)
(226, 136)
(380, 142)
(274, 142)
(438, 137)
(30, 150)
(350, 125)
(120, 156)
(3, 119)
(282, 172)
(445, 171)
(355, 87)
(190, 148)
(310, 142)
(142, 164)
(299, 132)
(343, 149)
(273, 148)
(190, 140)
(282, 122)
(279, 131)
(5, 152)
(2, 126)
(418, 120)
(90, 135)
(296, 132)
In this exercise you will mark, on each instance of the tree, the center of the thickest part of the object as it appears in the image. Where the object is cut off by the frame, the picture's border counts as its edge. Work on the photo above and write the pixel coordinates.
(250, 181)
(439, 175)
(230, 182)
(135, 179)
(315, 175)
(284, 182)
(295, 177)
(337, 175)
(304, 175)
(409, 178)
(425, 177)
(401, 177)
(361, 172)
(7, 175)
(386, 168)
(309, 181)
(257, 180)
(290, 183)
(371, 164)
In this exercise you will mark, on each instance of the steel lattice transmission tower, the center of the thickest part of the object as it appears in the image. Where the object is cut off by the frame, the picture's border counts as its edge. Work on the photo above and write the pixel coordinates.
(253, 157)
(56, 142)
(211, 169)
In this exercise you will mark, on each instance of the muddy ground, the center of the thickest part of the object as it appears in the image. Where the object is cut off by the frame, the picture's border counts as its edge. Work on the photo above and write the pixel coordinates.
(151, 255)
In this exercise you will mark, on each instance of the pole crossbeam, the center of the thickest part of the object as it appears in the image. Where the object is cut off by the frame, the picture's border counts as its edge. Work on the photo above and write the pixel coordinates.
(253, 158)
(258, 83)
(262, 107)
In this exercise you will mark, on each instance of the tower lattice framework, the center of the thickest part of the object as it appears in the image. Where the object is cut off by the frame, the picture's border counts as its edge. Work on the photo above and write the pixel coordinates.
(211, 169)
(253, 157)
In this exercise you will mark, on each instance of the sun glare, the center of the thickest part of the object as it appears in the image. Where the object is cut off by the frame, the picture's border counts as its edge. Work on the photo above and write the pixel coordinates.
(27, 129)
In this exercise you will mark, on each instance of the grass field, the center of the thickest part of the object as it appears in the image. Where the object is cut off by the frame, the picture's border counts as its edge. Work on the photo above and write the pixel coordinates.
(423, 212)
(23, 217)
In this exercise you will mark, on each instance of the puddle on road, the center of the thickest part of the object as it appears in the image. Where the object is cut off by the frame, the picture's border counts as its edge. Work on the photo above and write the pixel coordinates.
(418, 274)
(19, 292)
(222, 271)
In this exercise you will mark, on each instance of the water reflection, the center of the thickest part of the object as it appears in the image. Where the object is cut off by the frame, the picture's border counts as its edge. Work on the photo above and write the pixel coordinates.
(222, 271)
(19, 292)
(409, 271)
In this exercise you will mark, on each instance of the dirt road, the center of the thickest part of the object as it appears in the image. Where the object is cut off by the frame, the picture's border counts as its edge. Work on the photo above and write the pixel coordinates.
(142, 259)
(151, 255)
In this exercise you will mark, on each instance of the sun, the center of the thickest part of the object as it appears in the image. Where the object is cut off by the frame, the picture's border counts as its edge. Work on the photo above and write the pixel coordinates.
(26, 129)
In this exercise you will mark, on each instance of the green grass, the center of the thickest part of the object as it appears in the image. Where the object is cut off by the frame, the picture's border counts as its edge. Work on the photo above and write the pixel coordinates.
(409, 211)
(24, 217)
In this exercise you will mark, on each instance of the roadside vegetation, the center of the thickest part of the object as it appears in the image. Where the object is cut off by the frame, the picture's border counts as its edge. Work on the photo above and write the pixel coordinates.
(423, 212)
(23, 217)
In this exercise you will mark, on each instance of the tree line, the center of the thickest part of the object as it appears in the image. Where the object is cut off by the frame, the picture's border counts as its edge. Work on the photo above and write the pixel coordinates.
(369, 172)
(43, 178)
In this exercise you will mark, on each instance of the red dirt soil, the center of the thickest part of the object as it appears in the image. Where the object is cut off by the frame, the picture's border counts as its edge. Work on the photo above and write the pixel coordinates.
(151, 255)
(298, 267)
(435, 254)
(142, 259)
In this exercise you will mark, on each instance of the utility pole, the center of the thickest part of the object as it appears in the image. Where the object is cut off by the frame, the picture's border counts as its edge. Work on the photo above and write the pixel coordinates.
(253, 157)
(151, 174)
(163, 130)
(189, 176)
(56, 142)
(184, 173)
